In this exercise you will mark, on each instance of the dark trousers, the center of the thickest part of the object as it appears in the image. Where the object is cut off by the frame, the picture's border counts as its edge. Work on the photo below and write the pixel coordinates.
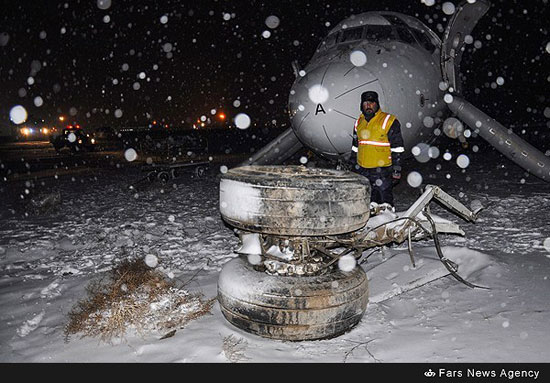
(381, 183)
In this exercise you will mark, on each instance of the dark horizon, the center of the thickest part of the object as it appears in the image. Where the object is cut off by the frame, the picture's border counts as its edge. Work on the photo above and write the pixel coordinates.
(116, 63)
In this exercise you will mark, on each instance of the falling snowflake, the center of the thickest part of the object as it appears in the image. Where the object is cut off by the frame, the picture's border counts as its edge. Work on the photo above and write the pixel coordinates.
(272, 22)
(130, 155)
(347, 263)
(103, 4)
(358, 58)
(463, 161)
(151, 260)
(18, 114)
(242, 121)
(414, 179)
(254, 259)
(318, 94)
(448, 8)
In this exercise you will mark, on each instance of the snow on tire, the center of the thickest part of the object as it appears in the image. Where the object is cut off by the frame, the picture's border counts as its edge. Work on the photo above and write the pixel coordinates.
(294, 200)
(292, 308)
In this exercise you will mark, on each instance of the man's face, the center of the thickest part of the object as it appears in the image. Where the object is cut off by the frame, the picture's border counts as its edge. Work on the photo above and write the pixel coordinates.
(370, 106)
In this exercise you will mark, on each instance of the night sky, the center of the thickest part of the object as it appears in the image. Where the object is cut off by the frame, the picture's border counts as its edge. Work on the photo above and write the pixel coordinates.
(121, 62)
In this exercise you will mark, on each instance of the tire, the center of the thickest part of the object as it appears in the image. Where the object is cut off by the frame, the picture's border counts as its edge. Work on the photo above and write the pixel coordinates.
(294, 200)
(163, 176)
(292, 308)
(200, 171)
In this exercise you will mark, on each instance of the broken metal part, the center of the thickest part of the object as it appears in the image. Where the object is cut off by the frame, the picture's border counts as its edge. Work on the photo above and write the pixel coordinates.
(250, 243)
(313, 255)
(410, 249)
(451, 266)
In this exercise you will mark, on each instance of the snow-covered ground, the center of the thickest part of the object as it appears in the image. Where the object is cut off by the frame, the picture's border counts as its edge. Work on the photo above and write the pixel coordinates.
(46, 262)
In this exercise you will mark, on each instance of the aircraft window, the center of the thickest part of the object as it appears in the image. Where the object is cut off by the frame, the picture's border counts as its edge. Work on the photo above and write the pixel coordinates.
(423, 39)
(352, 34)
(328, 42)
(380, 32)
(405, 35)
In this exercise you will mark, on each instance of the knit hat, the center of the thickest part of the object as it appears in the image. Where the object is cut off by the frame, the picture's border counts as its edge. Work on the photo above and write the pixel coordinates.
(368, 96)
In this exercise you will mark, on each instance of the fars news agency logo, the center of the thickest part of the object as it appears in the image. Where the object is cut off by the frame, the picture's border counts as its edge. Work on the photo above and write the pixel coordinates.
(429, 373)
(508, 374)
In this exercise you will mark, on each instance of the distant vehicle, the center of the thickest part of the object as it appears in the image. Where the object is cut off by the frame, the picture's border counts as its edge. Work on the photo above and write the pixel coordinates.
(32, 132)
(74, 138)
(105, 137)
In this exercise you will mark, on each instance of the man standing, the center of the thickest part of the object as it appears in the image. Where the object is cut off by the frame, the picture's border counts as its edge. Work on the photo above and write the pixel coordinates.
(376, 150)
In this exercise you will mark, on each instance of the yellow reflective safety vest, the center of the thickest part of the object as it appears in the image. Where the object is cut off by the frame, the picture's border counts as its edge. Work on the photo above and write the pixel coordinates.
(374, 146)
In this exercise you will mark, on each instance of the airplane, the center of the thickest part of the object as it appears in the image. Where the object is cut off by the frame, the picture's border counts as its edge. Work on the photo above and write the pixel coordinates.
(415, 74)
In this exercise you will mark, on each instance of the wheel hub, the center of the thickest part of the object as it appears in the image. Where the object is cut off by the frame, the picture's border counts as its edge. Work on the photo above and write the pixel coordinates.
(294, 256)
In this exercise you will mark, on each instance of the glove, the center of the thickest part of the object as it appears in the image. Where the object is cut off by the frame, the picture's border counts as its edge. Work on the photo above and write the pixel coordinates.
(396, 176)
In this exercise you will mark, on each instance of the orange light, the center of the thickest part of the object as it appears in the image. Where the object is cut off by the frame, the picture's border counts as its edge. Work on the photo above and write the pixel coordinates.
(221, 116)
(61, 118)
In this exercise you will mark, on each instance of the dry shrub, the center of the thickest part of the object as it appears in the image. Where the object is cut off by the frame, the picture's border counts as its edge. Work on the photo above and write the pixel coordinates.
(134, 296)
(234, 349)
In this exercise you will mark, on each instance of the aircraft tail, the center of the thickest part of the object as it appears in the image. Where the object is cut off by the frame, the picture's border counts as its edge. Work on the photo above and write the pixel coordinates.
(278, 150)
(503, 139)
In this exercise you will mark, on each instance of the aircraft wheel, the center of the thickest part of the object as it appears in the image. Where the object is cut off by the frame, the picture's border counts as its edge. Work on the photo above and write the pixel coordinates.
(294, 200)
(151, 176)
(163, 176)
(292, 308)
(199, 171)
